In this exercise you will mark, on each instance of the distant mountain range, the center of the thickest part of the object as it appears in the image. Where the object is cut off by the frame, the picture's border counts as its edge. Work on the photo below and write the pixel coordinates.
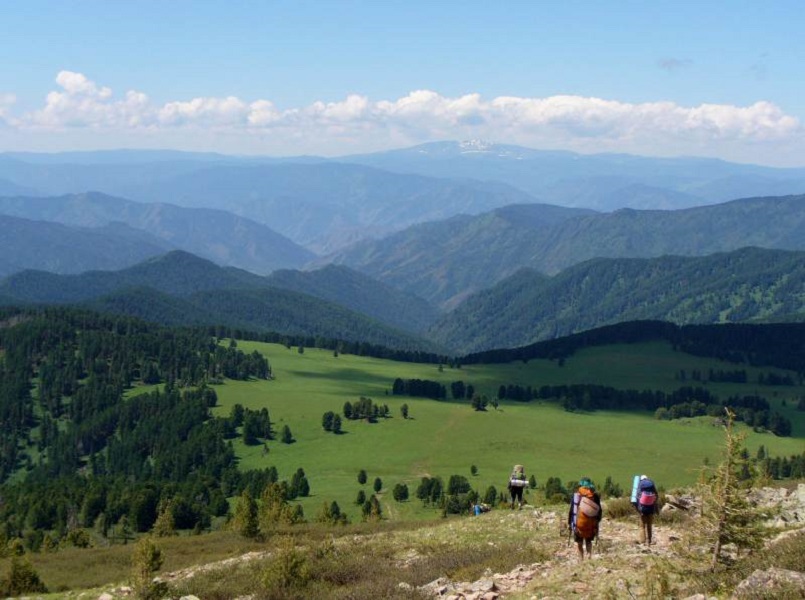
(327, 204)
(444, 241)
(444, 262)
(320, 205)
(214, 234)
(602, 182)
(744, 285)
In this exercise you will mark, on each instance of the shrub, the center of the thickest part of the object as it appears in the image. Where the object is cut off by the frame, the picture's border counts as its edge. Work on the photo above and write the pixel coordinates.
(619, 508)
(21, 579)
(288, 570)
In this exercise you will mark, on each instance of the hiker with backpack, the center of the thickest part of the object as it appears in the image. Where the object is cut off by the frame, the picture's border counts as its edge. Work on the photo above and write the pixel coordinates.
(584, 516)
(644, 499)
(516, 485)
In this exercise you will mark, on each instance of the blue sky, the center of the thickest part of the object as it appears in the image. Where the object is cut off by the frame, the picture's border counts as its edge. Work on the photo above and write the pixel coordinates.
(287, 77)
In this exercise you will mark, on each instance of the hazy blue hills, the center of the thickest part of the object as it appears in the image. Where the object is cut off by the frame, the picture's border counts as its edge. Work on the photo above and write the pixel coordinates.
(604, 182)
(744, 285)
(445, 261)
(214, 234)
(8, 188)
(325, 206)
(29, 244)
(322, 205)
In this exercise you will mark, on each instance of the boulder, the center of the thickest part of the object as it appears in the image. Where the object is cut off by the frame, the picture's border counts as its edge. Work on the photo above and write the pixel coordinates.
(769, 582)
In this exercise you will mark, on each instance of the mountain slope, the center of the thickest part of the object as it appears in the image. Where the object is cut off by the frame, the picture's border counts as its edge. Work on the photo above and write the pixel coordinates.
(747, 284)
(770, 222)
(261, 310)
(445, 261)
(214, 234)
(27, 244)
(361, 293)
(175, 273)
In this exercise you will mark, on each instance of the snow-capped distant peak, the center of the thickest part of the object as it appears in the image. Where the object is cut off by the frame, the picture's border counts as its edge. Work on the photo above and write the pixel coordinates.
(475, 146)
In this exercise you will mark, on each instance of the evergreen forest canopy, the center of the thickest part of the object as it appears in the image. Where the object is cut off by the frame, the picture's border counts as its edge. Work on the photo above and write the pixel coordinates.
(76, 447)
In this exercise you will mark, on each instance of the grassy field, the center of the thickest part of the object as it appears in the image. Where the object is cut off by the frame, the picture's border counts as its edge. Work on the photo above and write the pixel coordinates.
(442, 438)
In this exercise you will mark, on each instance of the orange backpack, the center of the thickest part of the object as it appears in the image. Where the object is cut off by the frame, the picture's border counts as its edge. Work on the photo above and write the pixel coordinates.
(587, 511)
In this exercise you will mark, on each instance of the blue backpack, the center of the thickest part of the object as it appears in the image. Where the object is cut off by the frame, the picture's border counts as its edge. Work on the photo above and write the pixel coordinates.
(646, 497)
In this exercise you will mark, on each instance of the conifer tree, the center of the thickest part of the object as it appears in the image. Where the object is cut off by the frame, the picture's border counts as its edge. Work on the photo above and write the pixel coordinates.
(146, 560)
(165, 525)
(245, 518)
(727, 515)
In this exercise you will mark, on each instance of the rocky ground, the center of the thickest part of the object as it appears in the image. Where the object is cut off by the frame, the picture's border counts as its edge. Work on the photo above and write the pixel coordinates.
(620, 567)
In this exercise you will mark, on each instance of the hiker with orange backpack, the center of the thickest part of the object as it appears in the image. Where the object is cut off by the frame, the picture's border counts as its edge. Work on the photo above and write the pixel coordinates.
(584, 516)
(644, 499)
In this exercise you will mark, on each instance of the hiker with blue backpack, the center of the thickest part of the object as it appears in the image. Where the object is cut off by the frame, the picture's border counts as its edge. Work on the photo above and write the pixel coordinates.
(644, 499)
(584, 516)
(517, 483)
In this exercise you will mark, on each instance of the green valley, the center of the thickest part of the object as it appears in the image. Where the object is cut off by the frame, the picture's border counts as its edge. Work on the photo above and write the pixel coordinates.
(442, 438)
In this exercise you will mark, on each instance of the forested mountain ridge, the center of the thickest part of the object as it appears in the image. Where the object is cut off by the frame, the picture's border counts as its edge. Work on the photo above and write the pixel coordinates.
(179, 288)
(175, 273)
(748, 284)
(768, 222)
(445, 261)
(217, 235)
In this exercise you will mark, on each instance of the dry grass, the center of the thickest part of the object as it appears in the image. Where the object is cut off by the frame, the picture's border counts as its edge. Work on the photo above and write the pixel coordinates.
(75, 568)
(391, 560)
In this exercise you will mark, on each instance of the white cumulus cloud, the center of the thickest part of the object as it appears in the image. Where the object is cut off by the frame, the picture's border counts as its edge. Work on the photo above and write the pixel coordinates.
(6, 102)
(358, 122)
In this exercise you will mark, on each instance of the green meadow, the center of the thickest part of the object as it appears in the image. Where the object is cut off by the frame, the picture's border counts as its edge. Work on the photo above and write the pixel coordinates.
(442, 438)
